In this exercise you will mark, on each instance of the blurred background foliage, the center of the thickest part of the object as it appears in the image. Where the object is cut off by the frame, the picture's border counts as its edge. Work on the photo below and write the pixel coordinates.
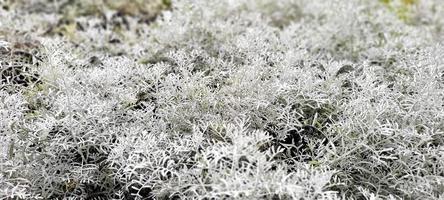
(86, 7)
(402, 8)
(69, 11)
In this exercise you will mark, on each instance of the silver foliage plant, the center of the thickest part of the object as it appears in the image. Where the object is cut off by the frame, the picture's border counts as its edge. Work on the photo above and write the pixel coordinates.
(234, 99)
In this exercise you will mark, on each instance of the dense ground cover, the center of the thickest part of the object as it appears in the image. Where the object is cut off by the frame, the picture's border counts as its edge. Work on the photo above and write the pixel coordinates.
(229, 99)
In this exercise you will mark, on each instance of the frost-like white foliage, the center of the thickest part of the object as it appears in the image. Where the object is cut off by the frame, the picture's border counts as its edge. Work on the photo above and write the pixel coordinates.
(230, 99)
(236, 169)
